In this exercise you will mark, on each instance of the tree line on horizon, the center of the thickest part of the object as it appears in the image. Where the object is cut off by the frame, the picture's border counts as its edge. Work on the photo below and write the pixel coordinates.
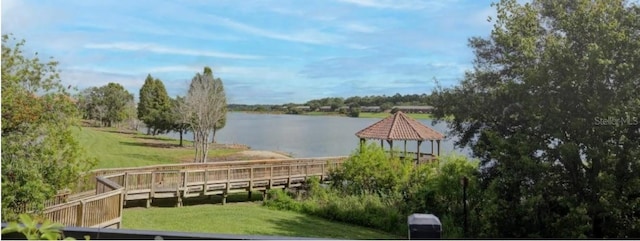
(385, 102)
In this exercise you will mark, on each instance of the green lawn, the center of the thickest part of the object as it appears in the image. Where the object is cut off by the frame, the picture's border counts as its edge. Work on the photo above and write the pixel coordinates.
(248, 218)
(114, 148)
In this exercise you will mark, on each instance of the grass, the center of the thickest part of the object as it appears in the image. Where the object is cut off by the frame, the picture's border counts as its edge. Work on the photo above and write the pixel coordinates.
(249, 218)
(113, 148)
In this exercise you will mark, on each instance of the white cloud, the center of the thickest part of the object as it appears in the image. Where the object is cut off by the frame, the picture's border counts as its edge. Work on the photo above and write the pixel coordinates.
(309, 36)
(128, 46)
(89, 78)
(255, 74)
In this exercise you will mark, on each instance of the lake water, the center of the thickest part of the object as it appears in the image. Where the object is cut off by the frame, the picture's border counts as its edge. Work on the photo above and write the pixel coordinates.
(310, 136)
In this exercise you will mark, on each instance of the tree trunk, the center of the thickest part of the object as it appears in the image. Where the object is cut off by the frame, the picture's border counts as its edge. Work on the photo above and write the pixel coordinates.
(181, 138)
(148, 130)
(196, 142)
(213, 136)
(205, 147)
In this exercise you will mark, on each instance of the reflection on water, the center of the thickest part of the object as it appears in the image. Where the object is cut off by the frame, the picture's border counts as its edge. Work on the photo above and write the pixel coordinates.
(309, 136)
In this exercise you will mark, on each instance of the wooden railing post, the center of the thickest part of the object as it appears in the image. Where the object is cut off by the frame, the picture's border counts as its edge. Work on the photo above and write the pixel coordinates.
(80, 214)
(126, 182)
(289, 177)
(184, 178)
(251, 179)
(271, 178)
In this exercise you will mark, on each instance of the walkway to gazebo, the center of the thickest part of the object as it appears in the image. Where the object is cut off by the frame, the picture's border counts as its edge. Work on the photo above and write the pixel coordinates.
(403, 128)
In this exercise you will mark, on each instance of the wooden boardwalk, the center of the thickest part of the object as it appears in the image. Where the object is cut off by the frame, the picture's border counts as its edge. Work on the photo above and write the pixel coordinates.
(99, 200)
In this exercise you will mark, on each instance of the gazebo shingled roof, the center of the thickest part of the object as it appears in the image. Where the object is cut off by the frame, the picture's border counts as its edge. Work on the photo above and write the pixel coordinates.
(399, 127)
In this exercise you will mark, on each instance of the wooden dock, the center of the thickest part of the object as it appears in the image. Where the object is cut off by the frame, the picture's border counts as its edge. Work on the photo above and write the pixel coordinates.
(99, 200)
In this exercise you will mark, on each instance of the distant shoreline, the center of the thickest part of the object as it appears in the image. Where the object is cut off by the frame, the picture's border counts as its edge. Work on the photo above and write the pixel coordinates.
(362, 114)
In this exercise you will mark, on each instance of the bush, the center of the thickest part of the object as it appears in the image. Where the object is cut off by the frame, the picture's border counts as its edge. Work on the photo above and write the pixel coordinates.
(375, 191)
(354, 112)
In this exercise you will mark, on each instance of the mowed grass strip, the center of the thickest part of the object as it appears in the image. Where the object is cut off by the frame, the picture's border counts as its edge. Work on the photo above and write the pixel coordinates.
(114, 148)
(385, 115)
(249, 218)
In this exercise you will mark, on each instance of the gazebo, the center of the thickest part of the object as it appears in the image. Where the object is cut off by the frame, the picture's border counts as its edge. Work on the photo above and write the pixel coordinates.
(403, 128)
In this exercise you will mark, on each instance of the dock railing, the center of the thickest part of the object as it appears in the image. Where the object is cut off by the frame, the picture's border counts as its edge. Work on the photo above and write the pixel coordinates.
(101, 205)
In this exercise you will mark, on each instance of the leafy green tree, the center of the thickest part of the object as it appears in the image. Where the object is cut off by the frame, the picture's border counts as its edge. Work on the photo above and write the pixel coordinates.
(180, 116)
(145, 105)
(39, 152)
(90, 102)
(386, 106)
(154, 108)
(354, 112)
(223, 120)
(206, 105)
(537, 110)
(369, 170)
(161, 109)
(115, 99)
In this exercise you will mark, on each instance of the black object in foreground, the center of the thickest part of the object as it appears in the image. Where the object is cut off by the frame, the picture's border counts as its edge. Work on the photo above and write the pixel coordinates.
(424, 226)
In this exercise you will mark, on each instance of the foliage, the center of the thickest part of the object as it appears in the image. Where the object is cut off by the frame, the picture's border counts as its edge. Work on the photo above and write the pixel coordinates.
(436, 188)
(551, 109)
(32, 230)
(206, 106)
(354, 112)
(385, 102)
(39, 154)
(179, 116)
(107, 104)
(365, 210)
(375, 191)
(370, 170)
(223, 120)
(155, 107)
(145, 105)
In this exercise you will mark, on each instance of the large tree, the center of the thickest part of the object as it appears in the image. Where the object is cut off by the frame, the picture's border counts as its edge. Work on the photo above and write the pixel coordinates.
(181, 116)
(223, 121)
(39, 152)
(552, 110)
(145, 102)
(115, 98)
(154, 107)
(206, 102)
(109, 104)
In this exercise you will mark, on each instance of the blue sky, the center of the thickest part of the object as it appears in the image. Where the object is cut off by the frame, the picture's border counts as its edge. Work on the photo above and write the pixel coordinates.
(270, 52)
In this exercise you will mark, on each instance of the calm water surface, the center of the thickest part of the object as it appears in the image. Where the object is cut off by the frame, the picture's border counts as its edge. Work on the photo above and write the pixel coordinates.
(309, 136)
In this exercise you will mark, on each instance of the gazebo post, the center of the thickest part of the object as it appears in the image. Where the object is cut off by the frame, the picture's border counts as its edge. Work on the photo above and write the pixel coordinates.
(418, 152)
(432, 150)
(405, 148)
(381, 144)
(438, 147)
(390, 147)
(362, 141)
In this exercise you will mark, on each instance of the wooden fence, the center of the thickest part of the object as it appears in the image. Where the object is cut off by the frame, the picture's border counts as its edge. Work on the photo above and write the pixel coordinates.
(101, 206)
